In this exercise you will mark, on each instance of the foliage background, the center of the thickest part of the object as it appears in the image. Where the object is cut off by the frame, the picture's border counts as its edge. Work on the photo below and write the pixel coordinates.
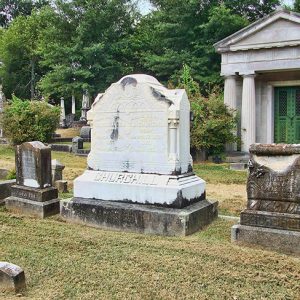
(58, 48)
(24, 120)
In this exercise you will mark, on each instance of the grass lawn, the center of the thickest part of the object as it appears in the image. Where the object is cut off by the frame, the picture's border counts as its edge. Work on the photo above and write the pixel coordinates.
(67, 261)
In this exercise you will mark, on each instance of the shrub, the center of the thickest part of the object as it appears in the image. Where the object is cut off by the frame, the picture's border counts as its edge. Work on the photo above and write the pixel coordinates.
(214, 123)
(11, 175)
(25, 120)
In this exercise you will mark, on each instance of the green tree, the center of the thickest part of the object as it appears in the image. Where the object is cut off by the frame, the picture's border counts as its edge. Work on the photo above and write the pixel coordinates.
(297, 6)
(252, 9)
(25, 120)
(213, 123)
(184, 32)
(86, 45)
(10, 9)
(20, 70)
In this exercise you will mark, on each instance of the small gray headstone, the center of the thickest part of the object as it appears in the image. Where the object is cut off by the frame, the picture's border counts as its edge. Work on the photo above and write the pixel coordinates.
(5, 189)
(33, 194)
(33, 165)
(12, 277)
(57, 169)
(77, 143)
(85, 132)
(62, 186)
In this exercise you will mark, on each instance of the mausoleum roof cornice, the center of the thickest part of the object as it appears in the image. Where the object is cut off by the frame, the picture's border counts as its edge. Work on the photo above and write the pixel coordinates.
(232, 42)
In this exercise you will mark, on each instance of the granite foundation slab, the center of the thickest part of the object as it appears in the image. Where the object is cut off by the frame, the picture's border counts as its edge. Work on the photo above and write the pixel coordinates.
(32, 208)
(286, 241)
(275, 220)
(139, 218)
(34, 194)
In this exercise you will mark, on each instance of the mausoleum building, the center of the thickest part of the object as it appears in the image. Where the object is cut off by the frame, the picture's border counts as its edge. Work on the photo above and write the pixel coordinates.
(261, 69)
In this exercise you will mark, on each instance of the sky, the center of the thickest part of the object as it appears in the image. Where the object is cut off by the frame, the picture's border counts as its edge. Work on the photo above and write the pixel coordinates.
(145, 6)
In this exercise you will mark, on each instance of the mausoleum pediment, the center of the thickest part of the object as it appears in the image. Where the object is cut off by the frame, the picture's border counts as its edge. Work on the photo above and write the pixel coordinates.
(279, 29)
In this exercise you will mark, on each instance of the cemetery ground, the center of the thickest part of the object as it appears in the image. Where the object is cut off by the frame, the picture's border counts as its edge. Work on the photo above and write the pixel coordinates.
(67, 261)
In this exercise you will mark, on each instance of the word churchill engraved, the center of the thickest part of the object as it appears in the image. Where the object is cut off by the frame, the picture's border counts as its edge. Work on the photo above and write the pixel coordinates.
(126, 178)
(140, 154)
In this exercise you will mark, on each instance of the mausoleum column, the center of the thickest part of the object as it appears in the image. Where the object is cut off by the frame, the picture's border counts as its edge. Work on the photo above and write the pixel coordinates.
(230, 91)
(248, 112)
(230, 101)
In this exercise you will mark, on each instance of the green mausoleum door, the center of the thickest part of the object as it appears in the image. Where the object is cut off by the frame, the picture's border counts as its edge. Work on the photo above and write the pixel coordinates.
(287, 115)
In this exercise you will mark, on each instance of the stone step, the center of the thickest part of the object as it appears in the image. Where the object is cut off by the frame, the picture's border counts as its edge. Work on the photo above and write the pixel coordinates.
(240, 166)
(237, 157)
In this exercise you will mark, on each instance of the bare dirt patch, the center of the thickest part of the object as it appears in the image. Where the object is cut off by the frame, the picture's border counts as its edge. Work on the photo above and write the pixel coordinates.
(69, 132)
(232, 197)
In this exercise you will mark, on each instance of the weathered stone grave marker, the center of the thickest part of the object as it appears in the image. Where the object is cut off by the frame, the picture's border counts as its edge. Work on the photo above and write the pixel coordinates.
(140, 154)
(57, 170)
(272, 216)
(33, 193)
(12, 278)
(77, 144)
(85, 133)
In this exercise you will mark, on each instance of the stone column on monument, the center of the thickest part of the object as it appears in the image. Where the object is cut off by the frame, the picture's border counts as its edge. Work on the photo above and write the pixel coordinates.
(173, 126)
(73, 105)
(230, 101)
(62, 120)
(248, 112)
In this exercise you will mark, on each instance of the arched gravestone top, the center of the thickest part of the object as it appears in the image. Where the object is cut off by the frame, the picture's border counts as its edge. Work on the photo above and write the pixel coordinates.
(140, 126)
(33, 165)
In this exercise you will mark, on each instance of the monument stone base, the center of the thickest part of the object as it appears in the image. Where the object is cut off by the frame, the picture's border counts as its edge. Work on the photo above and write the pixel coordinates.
(40, 203)
(172, 191)
(32, 208)
(286, 241)
(139, 218)
(269, 229)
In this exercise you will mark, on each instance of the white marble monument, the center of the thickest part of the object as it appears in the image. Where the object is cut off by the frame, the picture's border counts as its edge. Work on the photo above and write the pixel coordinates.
(140, 149)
